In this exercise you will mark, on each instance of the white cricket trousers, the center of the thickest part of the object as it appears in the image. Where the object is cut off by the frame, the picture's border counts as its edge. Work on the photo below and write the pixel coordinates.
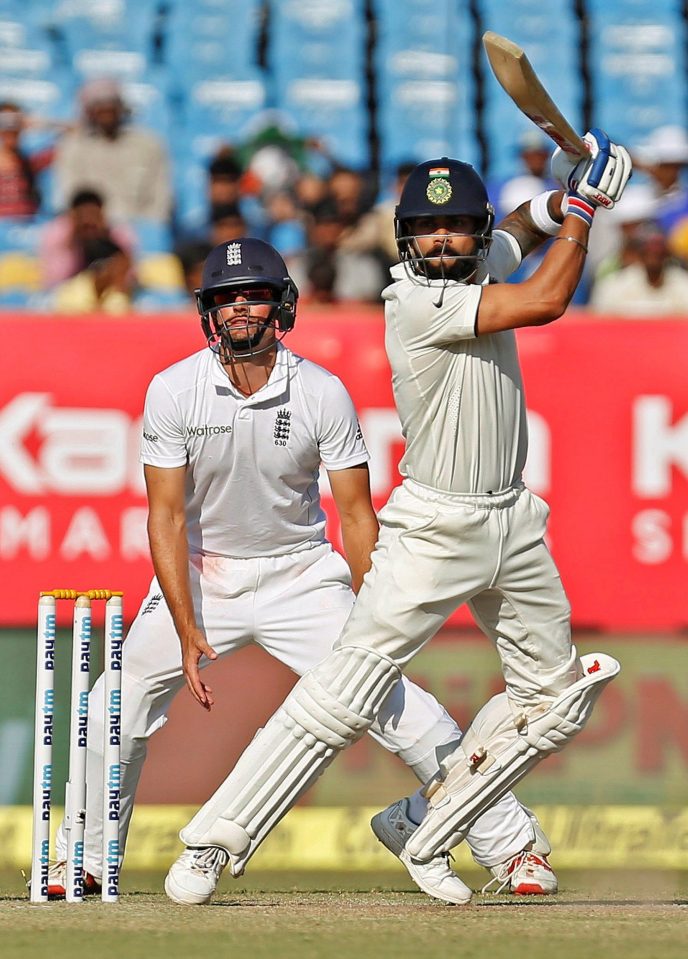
(437, 551)
(294, 607)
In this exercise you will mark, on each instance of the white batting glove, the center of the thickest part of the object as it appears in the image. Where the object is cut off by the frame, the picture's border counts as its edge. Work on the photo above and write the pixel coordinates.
(562, 166)
(600, 179)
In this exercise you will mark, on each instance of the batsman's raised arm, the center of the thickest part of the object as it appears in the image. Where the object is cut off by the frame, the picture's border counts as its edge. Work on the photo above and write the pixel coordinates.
(522, 225)
(598, 180)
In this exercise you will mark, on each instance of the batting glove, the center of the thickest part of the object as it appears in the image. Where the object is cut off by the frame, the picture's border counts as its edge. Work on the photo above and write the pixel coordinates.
(597, 180)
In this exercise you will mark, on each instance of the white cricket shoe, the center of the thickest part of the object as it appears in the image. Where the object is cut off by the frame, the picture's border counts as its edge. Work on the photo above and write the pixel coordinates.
(193, 878)
(526, 874)
(394, 828)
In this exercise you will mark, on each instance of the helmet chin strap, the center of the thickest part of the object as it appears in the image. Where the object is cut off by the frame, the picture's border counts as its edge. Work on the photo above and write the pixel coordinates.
(230, 348)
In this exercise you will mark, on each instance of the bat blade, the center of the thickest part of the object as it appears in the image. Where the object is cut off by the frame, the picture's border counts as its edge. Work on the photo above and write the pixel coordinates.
(514, 72)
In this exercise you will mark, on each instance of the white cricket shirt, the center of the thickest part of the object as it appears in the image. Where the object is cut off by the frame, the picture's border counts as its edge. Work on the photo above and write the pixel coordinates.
(252, 461)
(459, 397)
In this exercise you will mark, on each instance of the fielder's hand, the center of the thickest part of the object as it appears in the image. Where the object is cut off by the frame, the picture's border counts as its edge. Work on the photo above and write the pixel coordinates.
(194, 646)
(601, 178)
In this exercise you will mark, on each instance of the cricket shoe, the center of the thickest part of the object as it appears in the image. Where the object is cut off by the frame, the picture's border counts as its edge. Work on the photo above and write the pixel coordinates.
(526, 874)
(57, 881)
(394, 828)
(193, 878)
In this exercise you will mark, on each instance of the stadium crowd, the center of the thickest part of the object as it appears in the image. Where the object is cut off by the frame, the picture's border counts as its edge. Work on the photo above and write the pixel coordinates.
(157, 143)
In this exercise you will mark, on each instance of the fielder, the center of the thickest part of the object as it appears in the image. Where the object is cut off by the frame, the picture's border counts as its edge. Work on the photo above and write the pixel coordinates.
(233, 440)
(461, 528)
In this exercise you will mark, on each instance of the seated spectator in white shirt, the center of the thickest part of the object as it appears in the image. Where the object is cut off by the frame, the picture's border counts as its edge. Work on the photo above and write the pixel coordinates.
(126, 164)
(654, 286)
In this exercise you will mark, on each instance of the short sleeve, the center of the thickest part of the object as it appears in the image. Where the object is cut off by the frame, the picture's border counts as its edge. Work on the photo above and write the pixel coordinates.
(504, 257)
(163, 441)
(437, 315)
(340, 439)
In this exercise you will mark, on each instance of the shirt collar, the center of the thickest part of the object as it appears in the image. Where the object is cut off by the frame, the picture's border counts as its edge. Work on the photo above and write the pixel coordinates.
(276, 385)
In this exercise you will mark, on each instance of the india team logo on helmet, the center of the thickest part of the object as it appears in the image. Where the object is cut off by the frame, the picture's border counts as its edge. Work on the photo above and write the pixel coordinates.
(439, 189)
(442, 188)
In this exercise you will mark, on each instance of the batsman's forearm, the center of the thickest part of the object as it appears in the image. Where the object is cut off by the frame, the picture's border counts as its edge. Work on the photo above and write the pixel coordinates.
(556, 279)
(170, 553)
(521, 226)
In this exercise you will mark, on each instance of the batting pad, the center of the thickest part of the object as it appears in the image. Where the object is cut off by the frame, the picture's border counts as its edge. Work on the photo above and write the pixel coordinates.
(497, 751)
(330, 707)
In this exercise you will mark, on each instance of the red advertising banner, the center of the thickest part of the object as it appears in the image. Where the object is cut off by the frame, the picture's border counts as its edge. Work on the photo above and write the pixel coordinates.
(608, 414)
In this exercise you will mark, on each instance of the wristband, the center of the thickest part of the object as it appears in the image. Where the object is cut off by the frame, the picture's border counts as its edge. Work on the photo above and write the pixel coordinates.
(540, 215)
(574, 204)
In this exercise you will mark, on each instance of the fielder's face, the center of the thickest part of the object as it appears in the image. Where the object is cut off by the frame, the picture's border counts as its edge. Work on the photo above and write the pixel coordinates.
(245, 318)
(442, 240)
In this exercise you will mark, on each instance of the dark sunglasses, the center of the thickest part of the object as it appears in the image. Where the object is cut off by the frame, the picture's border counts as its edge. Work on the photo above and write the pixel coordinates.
(253, 294)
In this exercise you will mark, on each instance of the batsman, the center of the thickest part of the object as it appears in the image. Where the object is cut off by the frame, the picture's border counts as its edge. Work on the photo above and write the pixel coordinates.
(461, 528)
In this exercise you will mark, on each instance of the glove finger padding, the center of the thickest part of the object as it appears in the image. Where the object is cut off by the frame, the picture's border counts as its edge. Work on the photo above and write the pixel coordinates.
(602, 178)
(562, 166)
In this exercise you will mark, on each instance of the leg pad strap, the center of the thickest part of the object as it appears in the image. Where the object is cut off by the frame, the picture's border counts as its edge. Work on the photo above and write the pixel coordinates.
(499, 748)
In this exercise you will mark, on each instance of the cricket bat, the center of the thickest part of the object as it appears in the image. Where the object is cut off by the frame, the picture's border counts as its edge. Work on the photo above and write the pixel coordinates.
(512, 68)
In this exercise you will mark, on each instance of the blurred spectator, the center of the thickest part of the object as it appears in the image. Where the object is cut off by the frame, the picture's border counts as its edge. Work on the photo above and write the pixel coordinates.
(321, 276)
(374, 232)
(274, 154)
(611, 243)
(105, 285)
(664, 157)
(222, 188)
(309, 190)
(224, 177)
(126, 164)
(351, 194)
(226, 223)
(350, 275)
(534, 151)
(192, 256)
(285, 228)
(19, 193)
(64, 241)
(651, 287)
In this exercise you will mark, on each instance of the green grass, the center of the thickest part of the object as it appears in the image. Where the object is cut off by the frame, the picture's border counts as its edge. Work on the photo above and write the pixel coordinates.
(362, 916)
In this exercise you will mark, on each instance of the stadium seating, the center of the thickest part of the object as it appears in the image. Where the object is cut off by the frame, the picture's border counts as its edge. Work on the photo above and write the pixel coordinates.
(538, 29)
(19, 272)
(210, 38)
(637, 66)
(424, 80)
(316, 57)
(120, 25)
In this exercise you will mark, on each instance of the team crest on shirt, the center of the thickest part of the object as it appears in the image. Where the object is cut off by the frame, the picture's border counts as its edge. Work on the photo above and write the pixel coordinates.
(152, 604)
(282, 427)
